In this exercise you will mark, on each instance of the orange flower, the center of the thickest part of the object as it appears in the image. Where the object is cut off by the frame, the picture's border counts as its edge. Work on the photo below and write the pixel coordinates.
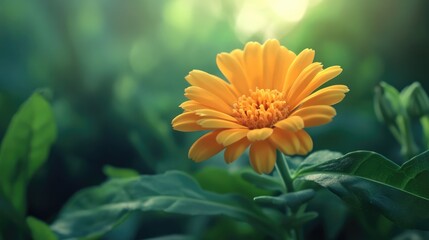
(267, 102)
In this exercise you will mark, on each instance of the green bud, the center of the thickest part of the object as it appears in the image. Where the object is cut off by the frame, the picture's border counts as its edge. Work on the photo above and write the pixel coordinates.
(415, 100)
(387, 104)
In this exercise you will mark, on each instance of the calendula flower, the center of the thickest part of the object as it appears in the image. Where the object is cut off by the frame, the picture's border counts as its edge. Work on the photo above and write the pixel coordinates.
(269, 99)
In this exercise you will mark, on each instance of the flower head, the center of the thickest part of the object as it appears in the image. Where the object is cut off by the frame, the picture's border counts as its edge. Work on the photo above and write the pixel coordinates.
(270, 97)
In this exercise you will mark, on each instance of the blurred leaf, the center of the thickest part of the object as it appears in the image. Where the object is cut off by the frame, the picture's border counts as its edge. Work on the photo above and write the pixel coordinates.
(220, 180)
(95, 211)
(367, 181)
(115, 172)
(25, 147)
(40, 230)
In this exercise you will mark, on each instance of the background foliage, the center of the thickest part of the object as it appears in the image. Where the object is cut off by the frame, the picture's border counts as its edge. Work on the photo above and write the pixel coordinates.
(116, 70)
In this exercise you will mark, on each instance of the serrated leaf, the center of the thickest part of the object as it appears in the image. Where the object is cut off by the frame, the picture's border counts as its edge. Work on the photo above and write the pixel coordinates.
(25, 147)
(369, 180)
(95, 211)
(40, 230)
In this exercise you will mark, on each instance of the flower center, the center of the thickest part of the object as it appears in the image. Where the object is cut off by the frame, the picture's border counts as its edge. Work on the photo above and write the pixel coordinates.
(263, 108)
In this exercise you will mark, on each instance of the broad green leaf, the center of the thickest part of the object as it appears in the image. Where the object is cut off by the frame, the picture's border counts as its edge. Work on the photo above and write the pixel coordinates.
(25, 147)
(40, 230)
(220, 180)
(115, 172)
(318, 158)
(368, 180)
(293, 199)
(95, 211)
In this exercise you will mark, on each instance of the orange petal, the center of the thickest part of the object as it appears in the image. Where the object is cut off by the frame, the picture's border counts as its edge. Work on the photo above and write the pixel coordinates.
(230, 136)
(271, 49)
(284, 60)
(315, 115)
(262, 156)
(210, 113)
(292, 123)
(321, 78)
(253, 63)
(326, 96)
(186, 122)
(206, 98)
(232, 152)
(259, 134)
(212, 84)
(191, 105)
(218, 123)
(302, 81)
(303, 59)
(306, 143)
(205, 147)
(285, 141)
(233, 71)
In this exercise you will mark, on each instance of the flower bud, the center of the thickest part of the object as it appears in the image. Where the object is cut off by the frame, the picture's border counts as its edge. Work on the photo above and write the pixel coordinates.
(415, 100)
(387, 103)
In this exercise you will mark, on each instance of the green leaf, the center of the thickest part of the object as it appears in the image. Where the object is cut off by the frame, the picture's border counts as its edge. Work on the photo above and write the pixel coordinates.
(25, 147)
(220, 180)
(318, 158)
(367, 180)
(95, 211)
(293, 199)
(262, 181)
(115, 172)
(40, 230)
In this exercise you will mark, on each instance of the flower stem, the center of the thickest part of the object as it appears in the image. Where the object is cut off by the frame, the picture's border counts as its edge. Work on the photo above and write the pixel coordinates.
(284, 172)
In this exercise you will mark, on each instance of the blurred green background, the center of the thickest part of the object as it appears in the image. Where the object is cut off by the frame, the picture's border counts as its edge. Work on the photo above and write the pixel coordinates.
(116, 72)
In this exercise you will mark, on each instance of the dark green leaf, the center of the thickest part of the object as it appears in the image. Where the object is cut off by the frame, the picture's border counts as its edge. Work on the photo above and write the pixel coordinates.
(220, 180)
(318, 158)
(95, 211)
(263, 181)
(25, 147)
(115, 172)
(293, 199)
(368, 180)
(40, 230)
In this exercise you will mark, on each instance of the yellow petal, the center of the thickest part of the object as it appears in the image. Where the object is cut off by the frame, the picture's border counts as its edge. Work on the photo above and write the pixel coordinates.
(284, 60)
(212, 84)
(205, 147)
(326, 96)
(218, 123)
(210, 113)
(206, 98)
(321, 78)
(306, 143)
(303, 59)
(315, 115)
(234, 151)
(271, 49)
(233, 71)
(230, 136)
(262, 156)
(302, 81)
(285, 141)
(186, 122)
(292, 123)
(253, 63)
(191, 105)
(259, 134)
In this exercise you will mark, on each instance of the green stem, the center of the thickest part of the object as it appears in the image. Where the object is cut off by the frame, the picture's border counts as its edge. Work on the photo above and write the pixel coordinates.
(284, 172)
